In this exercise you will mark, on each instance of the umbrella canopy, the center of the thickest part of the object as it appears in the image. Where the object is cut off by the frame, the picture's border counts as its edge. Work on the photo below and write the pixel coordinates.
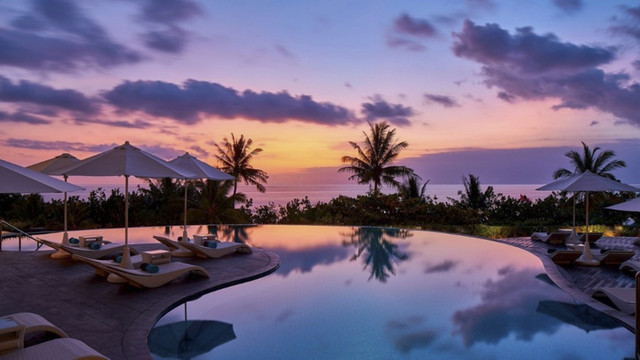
(17, 179)
(632, 205)
(201, 170)
(54, 166)
(126, 160)
(579, 315)
(190, 338)
(587, 182)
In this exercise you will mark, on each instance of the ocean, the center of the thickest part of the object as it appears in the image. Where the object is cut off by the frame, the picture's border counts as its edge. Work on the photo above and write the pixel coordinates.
(281, 194)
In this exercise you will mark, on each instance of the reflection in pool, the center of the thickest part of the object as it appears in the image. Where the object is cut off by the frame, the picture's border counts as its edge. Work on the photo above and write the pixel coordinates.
(380, 293)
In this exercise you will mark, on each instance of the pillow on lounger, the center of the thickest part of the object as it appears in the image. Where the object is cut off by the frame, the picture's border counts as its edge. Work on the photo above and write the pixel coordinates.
(74, 241)
(95, 245)
(118, 259)
(210, 244)
(150, 268)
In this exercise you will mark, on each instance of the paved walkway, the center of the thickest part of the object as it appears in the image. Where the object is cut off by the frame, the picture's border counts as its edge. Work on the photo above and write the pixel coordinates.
(580, 281)
(113, 319)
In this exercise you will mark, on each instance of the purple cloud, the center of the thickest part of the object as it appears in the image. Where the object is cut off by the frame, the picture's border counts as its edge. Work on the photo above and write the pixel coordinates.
(443, 100)
(137, 124)
(569, 6)
(535, 67)
(169, 11)
(162, 17)
(58, 36)
(628, 24)
(378, 108)
(56, 145)
(170, 40)
(408, 44)
(187, 104)
(29, 92)
(417, 27)
(21, 117)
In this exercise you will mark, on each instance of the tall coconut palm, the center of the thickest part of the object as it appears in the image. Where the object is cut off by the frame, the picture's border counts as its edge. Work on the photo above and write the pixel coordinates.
(236, 156)
(601, 164)
(377, 152)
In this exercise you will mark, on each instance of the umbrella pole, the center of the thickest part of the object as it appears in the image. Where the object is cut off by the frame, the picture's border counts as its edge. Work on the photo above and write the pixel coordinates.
(126, 258)
(574, 237)
(61, 254)
(587, 257)
(185, 236)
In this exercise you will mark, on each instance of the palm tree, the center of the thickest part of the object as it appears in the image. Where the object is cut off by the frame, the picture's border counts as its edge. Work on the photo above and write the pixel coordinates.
(601, 164)
(216, 206)
(411, 189)
(473, 196)
(235, 156)
(378, 150)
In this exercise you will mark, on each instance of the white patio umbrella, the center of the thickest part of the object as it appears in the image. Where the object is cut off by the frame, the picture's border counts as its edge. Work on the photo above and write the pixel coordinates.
(587, 182)
(201, 170)
(54, 166)
(17, 179)
(555, 186)
(126, 160)
(632, 205)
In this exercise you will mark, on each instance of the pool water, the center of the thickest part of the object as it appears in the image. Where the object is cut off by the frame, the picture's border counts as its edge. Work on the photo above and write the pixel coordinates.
(380, 293)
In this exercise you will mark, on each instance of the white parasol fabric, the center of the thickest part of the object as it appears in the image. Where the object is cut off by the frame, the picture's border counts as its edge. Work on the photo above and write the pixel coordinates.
(201, 170)
(17, 179)
(632, 205)
(54, 166)
(126, 160)
(587, 182)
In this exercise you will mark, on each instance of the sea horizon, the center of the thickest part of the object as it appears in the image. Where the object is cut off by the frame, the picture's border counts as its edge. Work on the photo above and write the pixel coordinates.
(281, 194)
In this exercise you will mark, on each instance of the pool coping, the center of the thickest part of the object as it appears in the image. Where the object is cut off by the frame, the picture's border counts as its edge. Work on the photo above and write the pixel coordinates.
(113, 319)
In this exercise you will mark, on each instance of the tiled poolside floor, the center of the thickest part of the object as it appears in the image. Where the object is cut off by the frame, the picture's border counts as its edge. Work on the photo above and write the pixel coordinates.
(113, 319)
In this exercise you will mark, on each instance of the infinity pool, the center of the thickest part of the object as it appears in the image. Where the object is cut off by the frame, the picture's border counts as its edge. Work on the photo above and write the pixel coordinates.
(380, 293)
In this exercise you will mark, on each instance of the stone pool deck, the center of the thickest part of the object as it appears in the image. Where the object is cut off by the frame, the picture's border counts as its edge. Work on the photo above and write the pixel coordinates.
(113, 319)
(580, 281)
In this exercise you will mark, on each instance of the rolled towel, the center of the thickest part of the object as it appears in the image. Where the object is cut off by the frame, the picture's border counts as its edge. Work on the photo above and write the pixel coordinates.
(210, 244)
(150, 268)
(74, 241)
(95, 245)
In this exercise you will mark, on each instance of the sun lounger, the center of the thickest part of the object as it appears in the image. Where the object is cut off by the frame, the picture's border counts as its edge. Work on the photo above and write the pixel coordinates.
(555, 238)
(623, 298)
(34, 324)
(221, 249)
(140, 278)
(106, 249)
(615, 257)
(593, 237)
(174, 246)
(57, 349)
(565, 257)
(631, 265)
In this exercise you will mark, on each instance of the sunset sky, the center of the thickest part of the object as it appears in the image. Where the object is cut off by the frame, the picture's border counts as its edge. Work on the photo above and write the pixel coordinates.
(501, 89)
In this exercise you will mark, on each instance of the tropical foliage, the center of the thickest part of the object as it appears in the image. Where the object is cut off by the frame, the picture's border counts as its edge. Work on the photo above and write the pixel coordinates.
(236, 156)
(372, 164)
(590, 160)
